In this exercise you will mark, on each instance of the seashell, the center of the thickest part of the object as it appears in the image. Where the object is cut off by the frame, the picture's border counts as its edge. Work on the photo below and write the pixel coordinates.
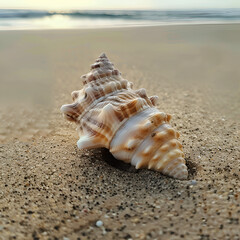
(110, 114)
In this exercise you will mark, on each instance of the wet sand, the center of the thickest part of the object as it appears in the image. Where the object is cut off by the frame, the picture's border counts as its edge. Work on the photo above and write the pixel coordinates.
(51, 190)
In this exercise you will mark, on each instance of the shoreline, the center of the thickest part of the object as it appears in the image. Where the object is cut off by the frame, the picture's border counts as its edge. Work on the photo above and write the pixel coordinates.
(124, 26)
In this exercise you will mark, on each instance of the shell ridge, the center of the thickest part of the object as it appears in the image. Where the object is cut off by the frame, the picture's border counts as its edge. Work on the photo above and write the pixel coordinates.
(166, 144)
(135, 160)
(176, 173)
(170, 166)
(138, 113)
(176, 152)
(172, 152)
(121, 130)
(95, 103)
(122, 123)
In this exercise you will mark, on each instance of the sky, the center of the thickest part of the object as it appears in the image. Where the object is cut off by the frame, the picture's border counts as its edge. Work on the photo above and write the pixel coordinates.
(122, 4)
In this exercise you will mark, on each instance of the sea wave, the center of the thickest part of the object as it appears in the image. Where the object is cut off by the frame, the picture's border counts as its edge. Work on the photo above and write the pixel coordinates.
(155, 15)
(11, 19)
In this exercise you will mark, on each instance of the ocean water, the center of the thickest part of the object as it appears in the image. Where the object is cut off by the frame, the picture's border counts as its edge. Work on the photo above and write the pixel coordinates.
(12, 19)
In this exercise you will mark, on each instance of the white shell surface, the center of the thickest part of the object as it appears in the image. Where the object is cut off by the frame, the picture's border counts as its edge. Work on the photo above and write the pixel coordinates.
(127, 139)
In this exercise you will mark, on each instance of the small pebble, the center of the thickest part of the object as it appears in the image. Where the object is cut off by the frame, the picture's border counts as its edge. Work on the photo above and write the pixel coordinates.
(1, 228)
(65, 238)
(99, 223)
(192, 182)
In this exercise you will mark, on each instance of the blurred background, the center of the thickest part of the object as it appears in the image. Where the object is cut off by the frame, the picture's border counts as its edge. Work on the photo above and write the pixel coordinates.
(103, 13)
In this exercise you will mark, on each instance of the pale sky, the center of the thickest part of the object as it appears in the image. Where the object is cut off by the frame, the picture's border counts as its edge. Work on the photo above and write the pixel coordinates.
(119, 4)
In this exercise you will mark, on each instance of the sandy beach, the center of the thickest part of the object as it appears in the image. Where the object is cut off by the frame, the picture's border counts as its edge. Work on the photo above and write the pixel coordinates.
(49, 189)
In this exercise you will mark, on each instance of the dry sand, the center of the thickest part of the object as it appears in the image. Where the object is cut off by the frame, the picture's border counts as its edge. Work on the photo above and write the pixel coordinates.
(51, 190)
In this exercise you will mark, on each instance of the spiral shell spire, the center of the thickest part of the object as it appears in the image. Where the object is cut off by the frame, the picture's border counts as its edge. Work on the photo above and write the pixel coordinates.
(110, 114)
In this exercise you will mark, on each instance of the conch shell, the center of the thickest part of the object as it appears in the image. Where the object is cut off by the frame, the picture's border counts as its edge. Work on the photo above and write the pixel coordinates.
(110, 114)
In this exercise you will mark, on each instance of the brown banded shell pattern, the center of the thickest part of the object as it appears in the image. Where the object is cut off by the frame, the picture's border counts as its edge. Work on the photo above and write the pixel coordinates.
(110, 114)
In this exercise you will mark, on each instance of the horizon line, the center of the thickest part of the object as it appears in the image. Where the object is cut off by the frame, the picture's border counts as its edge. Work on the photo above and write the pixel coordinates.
(116, 9)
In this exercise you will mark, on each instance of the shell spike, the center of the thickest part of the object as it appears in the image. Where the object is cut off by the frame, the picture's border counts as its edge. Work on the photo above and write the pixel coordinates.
(70, 111)
(108, 116)
(103, 55)
(86, 142)
(75, 95)
(107, 112)
(141, 92)
(154, 100)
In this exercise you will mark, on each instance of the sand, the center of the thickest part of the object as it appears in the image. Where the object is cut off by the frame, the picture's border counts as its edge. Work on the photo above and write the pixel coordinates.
(51, 190)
